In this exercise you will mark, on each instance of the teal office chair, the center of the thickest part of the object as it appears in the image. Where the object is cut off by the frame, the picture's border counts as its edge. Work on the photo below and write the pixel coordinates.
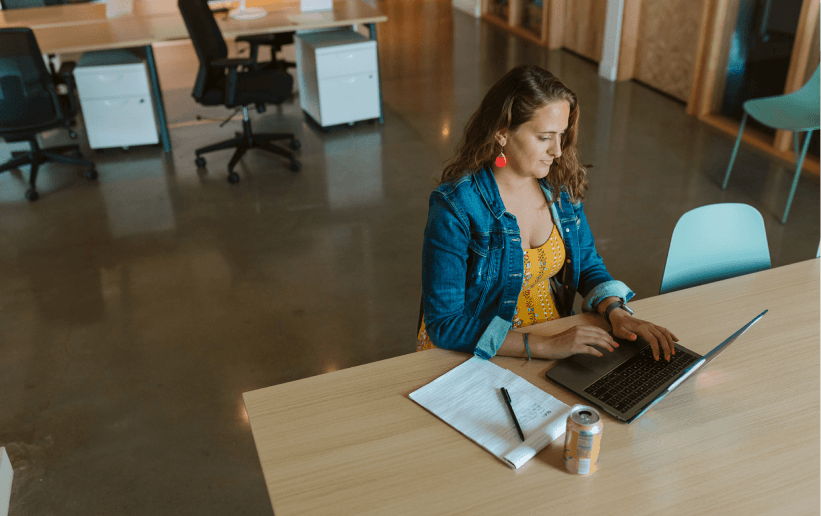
(797, 111)
(713, 243)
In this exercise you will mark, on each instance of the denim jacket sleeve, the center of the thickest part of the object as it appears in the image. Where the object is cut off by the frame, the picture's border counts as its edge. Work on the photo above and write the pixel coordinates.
(444, 273)
(595, 283)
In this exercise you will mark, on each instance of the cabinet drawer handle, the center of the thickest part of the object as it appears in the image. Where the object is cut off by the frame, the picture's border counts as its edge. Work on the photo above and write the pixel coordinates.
(351, 80)
(115, 103)
(347, 57)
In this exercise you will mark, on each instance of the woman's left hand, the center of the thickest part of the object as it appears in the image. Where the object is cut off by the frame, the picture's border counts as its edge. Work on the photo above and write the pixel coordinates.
(625, 326)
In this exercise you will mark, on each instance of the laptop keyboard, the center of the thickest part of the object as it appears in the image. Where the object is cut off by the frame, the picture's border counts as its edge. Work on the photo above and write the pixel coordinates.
(636, 378)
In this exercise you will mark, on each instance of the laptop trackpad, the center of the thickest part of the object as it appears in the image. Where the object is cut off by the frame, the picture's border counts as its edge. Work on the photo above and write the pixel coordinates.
(604, 363)
(584, 369)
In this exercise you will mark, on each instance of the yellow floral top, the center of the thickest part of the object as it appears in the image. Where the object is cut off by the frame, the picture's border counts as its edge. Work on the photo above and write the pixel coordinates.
(535, 304)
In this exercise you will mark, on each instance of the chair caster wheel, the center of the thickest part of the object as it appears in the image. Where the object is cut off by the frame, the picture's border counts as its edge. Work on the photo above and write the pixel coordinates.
(295, 144)
(32, 195)
(296, 166)
(91, 175)
(233, 178)
(200, 162)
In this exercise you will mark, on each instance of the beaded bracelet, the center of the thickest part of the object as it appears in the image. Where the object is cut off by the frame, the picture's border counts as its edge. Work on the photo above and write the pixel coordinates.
(527, 348)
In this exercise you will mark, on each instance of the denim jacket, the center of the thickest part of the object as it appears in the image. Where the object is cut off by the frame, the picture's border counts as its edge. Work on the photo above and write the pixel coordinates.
(473, 264)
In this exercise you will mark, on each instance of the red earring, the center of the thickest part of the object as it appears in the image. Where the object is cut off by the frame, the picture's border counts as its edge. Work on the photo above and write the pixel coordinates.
(501, 161)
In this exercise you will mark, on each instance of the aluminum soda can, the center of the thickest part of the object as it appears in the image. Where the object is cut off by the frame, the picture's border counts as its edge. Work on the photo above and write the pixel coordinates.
(582, 440)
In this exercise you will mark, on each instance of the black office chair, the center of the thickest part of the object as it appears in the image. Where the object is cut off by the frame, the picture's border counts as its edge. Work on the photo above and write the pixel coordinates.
(30, 104)
(220, 81)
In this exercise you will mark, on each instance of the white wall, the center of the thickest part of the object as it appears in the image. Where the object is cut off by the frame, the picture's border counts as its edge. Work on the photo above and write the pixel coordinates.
(609, 65)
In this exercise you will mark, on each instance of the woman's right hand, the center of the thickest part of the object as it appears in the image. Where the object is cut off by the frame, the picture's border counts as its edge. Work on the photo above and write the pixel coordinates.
(578, 339)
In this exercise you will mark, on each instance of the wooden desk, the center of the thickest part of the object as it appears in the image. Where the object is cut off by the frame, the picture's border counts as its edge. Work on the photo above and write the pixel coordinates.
(77, 13)
(84, 27)
(741, 437)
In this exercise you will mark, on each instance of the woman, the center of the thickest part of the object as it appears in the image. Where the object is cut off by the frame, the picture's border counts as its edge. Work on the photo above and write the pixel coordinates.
(507, 243)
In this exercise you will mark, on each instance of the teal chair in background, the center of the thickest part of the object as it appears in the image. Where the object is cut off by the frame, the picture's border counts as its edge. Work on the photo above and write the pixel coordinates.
(713, 243)
(796, 112)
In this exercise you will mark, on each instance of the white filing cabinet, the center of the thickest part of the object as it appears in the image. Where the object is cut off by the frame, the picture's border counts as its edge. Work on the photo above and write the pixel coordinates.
(338, 76)
(115, 99)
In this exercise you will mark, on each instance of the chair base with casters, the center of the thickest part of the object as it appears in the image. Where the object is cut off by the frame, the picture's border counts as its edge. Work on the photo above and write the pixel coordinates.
(248, 140)
(796, 112)
(37, 156)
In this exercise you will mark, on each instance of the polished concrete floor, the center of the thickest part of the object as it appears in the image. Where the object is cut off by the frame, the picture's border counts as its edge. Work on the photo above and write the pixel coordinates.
(134, 312)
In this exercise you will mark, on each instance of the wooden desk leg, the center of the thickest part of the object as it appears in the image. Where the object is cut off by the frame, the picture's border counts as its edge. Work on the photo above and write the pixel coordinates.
(372, 30)
(157, 93)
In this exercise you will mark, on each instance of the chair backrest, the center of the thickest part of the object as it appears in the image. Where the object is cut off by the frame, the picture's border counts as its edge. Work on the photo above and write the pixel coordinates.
(810, 93)
(207, 39)
(28, 97)
(813, 87)
(713, 243)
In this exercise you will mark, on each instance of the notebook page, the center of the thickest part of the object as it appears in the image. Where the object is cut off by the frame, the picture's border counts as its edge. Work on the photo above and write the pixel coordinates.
(469, 399)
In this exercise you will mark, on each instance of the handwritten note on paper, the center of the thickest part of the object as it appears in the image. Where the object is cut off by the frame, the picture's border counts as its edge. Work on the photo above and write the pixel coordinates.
(468, 399)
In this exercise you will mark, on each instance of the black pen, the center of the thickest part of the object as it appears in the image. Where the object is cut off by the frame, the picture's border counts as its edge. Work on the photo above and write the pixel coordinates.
(506, 396)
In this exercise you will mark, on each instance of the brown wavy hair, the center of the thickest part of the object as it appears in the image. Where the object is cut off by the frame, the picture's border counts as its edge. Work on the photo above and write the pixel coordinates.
(511, 102)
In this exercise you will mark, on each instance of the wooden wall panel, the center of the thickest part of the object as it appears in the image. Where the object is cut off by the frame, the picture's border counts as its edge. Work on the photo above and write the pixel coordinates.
(815, 53)
(629, 40)
(667, 44)
(584, 27)
(555, 23)
(718, 24)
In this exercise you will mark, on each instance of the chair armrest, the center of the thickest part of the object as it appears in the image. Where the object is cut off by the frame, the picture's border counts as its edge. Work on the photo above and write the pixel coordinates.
(66, 73)
(275, 41)
(233, 62)
(258, 39)
(67, 67)
(255, 40)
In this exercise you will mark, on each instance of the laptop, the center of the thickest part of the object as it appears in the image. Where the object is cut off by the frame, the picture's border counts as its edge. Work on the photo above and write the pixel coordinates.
(628, 381)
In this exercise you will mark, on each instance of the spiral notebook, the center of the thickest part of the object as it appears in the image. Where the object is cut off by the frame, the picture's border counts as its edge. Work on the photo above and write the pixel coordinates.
(468, 399)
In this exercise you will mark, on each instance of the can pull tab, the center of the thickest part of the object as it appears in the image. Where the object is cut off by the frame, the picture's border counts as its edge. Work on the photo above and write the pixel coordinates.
(587, 418)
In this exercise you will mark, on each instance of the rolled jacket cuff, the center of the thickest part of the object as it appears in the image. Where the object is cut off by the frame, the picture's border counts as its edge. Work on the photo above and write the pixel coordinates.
(492, 339)
(611, 288)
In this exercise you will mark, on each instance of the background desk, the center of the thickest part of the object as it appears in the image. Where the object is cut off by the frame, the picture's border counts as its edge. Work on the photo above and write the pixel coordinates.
(83, 27)
(741, 437)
